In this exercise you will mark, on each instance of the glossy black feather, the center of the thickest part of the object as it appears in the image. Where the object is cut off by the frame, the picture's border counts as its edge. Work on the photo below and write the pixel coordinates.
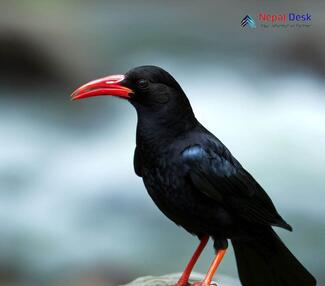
(137, 162)
(219, 176)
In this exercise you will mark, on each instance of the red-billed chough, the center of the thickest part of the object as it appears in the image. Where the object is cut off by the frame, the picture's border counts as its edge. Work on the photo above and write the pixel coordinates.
(197, 183)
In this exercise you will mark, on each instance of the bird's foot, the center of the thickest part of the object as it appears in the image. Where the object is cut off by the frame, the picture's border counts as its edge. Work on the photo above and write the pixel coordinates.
(202, 283)
(182, 283)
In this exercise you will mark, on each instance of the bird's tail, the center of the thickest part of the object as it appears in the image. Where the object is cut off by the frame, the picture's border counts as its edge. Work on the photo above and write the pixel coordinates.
(266, 261)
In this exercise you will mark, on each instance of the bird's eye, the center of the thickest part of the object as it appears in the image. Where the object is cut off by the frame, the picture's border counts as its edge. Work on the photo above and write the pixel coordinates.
(142, 83)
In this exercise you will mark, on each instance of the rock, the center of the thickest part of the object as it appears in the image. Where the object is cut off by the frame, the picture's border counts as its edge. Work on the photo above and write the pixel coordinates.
(170, 279)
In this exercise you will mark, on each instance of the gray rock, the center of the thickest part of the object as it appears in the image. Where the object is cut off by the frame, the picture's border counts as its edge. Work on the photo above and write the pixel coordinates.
(170, 279)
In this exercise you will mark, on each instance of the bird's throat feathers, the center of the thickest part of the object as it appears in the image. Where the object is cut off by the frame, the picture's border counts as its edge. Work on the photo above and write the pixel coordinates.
(155, 129)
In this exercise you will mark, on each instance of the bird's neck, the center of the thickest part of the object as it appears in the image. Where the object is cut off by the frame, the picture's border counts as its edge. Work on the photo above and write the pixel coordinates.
(155, 131)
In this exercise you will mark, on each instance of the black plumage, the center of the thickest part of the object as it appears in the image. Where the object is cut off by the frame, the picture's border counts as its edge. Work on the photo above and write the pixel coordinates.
(197, 183)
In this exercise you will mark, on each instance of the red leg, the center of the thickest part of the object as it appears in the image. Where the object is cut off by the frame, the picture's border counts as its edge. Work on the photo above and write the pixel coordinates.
(213, 268)
(189, 267)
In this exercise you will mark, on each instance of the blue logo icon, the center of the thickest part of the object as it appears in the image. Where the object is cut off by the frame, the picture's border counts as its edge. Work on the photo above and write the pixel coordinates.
(248, 21)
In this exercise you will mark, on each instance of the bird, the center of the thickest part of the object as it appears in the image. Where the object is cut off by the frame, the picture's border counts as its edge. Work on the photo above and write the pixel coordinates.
(198, 184)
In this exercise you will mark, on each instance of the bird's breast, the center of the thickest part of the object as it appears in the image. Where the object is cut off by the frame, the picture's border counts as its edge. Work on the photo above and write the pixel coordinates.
(165, 181)
(169, 187)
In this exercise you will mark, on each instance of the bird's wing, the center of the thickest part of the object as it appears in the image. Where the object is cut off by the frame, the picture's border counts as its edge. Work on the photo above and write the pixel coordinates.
(137, 162)
(217, 174)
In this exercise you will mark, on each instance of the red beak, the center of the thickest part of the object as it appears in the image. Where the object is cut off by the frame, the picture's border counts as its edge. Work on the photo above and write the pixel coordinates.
(110, 85)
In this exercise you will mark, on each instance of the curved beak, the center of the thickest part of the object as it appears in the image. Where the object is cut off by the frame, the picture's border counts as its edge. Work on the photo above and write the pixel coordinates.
(110, 85)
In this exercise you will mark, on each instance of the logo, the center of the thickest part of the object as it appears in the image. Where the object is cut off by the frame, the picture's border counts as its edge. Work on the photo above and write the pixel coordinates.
(278, 20)
(248, 21)
(284, 18)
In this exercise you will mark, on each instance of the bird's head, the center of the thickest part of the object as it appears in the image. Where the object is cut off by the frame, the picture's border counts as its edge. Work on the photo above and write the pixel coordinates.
(148, 88)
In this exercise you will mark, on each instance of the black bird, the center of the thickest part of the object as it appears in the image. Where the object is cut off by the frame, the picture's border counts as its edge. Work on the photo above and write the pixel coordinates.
(197, 183)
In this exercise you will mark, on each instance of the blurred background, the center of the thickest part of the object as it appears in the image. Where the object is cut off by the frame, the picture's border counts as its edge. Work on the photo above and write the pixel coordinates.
(72, 211)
